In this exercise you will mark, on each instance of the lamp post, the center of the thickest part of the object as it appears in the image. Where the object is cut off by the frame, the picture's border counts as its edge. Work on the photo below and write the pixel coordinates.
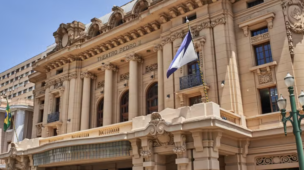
(294, 117)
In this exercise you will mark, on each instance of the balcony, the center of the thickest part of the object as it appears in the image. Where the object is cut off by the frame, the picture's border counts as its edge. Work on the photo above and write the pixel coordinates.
(53, 117)
(189, 81)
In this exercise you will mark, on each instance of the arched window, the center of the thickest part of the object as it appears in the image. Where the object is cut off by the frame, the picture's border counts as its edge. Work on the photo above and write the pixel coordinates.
(124, 107)
(100, 113)
(152, 98)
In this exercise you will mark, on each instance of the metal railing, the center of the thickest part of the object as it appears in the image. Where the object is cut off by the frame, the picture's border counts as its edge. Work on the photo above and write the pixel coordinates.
(53, 117)
(189, 81)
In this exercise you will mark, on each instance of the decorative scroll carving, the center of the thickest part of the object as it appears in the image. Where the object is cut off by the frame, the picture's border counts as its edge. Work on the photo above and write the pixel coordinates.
(39, 129)
(157, 130)
(100, 84)
(109, 66)
(151, 67)
(147, 151)
(218, 21)
(124, 76)
(278, 159)
(260, 38)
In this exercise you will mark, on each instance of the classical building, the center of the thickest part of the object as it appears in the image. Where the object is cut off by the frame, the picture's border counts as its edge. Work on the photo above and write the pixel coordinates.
(103, 101)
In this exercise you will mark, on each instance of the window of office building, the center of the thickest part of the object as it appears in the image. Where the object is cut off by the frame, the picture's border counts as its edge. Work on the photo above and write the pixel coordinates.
(28, 65)
(263, 53)
(22, 68)
(41, 116)
(124, 107)
(17, 70)
(269, 97)
(19, 93)
(25, 90)
(254, 3)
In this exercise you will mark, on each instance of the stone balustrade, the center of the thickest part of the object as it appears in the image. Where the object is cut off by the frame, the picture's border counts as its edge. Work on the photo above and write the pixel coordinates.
(230, 117)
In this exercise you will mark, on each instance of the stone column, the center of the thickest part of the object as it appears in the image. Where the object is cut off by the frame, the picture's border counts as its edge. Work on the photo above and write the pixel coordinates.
(206, 154)
(137, 160)
(19, 125)
(133, 87)
(72, 78)
(46, 110)
(85, 111)
(160, 73)
(108, 93)
(35, 117)
(65, 105)
(168, 82)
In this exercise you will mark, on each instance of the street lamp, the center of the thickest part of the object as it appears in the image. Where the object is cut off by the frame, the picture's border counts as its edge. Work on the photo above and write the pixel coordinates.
(294, 117)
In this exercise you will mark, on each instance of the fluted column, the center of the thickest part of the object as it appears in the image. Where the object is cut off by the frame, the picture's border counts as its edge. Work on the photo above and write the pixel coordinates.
(65, 105)
(133, 85)
(72, 88)
(160, 73)
(108, 93)
(46, 108)
(168, 82)
(85, 110)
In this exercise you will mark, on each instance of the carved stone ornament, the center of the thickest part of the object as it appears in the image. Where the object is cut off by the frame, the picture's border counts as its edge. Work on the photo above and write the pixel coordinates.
(151, 67)
(95, 27)
(260, 38)
(100, 84)
(133, 57)
(124, 76)
(157, 130)
(87, 75)
(218, 21)
(264, 75)
(278, 159)
(180, 147)
(294, 15)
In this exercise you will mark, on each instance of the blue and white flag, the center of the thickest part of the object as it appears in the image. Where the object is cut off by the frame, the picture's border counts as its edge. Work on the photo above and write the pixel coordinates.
(185, 54)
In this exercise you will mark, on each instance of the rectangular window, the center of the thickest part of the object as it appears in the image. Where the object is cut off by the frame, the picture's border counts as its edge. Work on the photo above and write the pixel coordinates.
(6, 83)
(27, 73)
(263, 53)
(25, 90)
(17, 70)
(254, 3)
(19, 93)
(22, 68)
(190, 18)
(55, 132)
(59, 71)
(195, 100)
(57, 106)
(12, 80)
(269, 97)
(14, 95)
(8, 75)
(10, 96)
(16, 78)
(25, 82)
(40, 116)
(29, 97)
(28, 65)
(13, 72)
(259, 31)
(31, 88)
(42, 102)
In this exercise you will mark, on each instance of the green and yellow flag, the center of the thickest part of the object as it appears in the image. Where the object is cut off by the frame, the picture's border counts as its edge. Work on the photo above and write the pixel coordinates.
(7, 118)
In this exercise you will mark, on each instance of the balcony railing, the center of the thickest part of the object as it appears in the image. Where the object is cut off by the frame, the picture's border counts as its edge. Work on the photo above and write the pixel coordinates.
(53, 117)
(189, 81)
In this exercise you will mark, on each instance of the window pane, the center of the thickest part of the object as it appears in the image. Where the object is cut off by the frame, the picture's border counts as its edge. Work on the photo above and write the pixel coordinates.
(265, 100)
(263, 53)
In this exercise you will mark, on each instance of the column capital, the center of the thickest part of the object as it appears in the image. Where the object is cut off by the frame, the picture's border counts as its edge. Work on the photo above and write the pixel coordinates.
(88, 75)
(109, 66)
(157, 47)
(133, 57)
(72, 76)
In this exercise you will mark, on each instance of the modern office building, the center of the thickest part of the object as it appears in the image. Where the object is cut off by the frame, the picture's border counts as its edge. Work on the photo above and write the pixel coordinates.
(103, 101)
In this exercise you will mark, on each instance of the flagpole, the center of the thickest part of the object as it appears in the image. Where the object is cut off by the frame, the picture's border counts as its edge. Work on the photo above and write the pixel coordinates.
(198, 61)
(13, 124)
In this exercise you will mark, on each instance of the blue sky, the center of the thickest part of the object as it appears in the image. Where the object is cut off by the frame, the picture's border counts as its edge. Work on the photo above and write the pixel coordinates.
(27, 26)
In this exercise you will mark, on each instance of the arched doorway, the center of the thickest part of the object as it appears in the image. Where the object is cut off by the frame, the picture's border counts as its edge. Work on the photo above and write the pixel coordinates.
(152, 98)
(124, 107)
(100, 113)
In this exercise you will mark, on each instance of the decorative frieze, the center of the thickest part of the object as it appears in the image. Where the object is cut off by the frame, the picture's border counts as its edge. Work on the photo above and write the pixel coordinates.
(151, 67)
(265, 74)
(277, 159)
(218, 21)
(124, 76)
(260, 38)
